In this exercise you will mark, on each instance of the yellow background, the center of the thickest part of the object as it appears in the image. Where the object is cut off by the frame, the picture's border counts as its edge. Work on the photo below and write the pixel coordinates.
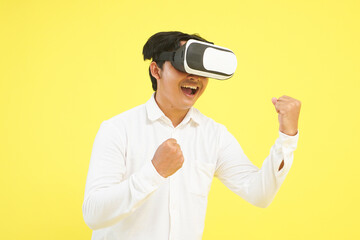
(66, 66)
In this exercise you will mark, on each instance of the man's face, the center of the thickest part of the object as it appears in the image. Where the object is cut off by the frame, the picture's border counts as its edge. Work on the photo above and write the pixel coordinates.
(179, 89)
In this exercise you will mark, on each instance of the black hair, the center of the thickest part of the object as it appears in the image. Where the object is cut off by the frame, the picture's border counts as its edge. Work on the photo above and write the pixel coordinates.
(163, 42)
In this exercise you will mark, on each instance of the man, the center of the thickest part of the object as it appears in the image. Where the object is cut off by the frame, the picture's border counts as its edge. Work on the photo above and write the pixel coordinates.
(152, 166)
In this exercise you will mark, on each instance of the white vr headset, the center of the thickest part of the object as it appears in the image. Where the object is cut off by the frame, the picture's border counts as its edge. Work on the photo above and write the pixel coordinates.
(202, 59)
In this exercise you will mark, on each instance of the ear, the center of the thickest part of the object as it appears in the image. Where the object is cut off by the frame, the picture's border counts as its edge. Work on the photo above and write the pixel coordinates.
(155, 70)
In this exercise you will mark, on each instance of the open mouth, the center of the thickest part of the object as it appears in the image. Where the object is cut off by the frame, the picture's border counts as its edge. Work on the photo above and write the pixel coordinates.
(189, 90)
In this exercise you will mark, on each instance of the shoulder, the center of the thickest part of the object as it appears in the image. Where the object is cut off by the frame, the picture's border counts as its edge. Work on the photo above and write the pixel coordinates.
(132, 115)
(208, 124)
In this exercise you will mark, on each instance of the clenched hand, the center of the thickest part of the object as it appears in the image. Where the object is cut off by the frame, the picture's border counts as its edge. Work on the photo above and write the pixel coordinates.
(288, 110)
(168, 158)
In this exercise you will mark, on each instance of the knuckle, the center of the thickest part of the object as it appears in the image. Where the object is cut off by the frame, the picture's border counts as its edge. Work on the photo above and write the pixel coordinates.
(171, 141)
(173, 149)
(176, 153)
(295, 104)
(181, 161)
(177, 148)
(167, 143)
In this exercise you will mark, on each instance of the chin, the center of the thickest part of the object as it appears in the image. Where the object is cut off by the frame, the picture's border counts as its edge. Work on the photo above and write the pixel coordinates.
(188, 104)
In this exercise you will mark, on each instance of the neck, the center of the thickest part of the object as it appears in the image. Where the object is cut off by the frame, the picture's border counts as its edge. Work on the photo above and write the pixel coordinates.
(175, 115)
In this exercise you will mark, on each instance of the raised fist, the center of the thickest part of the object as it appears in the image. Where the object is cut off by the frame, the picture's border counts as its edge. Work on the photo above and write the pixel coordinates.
(288, 110)
(168, 158)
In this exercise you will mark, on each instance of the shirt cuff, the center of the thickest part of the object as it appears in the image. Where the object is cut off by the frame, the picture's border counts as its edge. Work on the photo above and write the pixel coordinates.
(285, 146)
(150, 178)
(288, 141)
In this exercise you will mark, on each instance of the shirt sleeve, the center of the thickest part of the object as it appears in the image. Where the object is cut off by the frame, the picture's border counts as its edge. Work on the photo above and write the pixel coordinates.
(257, 186)
(109, 197)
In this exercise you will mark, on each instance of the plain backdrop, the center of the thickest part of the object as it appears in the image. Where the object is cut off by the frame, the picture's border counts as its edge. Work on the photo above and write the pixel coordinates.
(66, 66)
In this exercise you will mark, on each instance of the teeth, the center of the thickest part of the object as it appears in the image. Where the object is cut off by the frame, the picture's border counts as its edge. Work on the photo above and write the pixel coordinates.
(192, 87)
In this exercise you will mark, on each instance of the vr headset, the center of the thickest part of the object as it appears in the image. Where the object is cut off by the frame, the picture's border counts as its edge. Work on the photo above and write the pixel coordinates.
(202, 59)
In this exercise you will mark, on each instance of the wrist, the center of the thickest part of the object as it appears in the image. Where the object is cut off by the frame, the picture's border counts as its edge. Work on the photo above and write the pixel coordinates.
(289, 132)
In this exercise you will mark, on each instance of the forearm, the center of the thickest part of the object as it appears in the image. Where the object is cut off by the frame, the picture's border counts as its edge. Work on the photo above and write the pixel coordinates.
(267, 181)
(262, 185)
(105, 206)
(257, 186)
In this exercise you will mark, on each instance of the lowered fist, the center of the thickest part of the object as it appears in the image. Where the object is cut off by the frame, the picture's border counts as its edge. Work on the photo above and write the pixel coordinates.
(168, 158)
(288, 110)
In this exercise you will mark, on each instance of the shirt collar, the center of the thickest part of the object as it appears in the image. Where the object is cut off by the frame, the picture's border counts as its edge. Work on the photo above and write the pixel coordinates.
(154, 112)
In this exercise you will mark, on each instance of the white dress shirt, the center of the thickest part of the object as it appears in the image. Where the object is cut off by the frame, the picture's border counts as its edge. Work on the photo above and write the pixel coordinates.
(126, 198)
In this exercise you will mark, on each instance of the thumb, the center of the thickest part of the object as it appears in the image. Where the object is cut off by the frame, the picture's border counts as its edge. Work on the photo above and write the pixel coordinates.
(274, 100)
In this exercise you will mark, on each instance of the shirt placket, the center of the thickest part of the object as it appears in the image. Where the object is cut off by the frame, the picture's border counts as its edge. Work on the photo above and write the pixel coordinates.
(173, 199)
